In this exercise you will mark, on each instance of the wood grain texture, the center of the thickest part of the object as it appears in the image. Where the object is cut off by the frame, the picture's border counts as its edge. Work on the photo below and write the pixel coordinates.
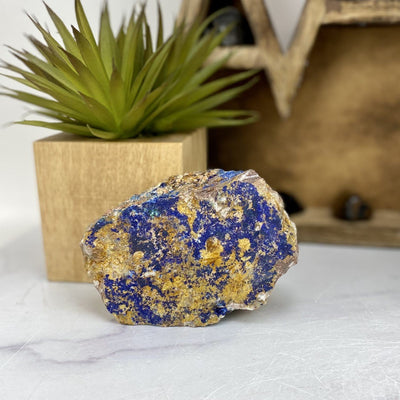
(80, 179)
(317, 225)
(365, 11)
(242, 57)
(194, 152)
(344, 131)
(285, 70)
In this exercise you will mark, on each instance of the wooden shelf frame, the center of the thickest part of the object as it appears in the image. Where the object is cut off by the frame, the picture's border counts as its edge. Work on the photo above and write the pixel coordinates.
(285, 70)
(317, 225)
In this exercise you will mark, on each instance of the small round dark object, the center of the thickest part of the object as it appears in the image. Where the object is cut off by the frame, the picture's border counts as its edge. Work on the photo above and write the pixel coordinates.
(292, 205)
(239, 34)
(351, 207)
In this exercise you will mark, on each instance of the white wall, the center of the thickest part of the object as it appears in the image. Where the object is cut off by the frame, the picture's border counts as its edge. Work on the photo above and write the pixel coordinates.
(284, 15)
(17, 176)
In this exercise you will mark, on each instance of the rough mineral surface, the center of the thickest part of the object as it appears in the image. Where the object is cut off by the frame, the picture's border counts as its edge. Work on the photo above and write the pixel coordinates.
(191, 250)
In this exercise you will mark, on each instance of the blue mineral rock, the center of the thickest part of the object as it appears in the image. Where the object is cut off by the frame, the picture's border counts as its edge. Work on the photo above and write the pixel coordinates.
(191, 250)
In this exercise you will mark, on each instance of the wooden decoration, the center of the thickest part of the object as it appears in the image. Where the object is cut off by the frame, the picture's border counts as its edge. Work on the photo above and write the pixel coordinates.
(329, 115)
(285, 70)
(79, 179)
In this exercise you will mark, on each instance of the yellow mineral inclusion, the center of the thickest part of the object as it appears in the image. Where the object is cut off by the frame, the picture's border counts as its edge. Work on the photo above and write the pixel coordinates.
(123, 262)
(237, 289)
(137, 256)
(211, 255)
(290, 231)
(99, 264)
(244, 245)
(189, 209)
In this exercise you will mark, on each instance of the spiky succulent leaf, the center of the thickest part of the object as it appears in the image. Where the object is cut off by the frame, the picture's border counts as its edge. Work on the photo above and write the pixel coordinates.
(123, 85)
(107, 43)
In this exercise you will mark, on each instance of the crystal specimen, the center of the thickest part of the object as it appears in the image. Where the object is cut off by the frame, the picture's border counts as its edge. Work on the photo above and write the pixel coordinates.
(191, 250)
(351, 207)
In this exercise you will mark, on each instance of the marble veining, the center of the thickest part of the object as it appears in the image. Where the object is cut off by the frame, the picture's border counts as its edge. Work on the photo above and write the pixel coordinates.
(330, 332)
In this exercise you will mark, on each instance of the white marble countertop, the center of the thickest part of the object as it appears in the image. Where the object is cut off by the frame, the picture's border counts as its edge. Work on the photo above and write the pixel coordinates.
(331, 330)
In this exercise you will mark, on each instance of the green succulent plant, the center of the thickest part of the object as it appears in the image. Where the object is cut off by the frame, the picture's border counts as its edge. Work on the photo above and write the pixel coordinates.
(121, 85)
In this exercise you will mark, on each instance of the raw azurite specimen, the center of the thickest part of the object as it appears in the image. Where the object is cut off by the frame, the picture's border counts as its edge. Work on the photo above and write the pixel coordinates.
(191, 250)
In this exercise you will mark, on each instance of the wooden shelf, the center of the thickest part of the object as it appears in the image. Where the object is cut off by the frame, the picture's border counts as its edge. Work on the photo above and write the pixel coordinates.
(242, 57)
(367, 11)
(319, 226)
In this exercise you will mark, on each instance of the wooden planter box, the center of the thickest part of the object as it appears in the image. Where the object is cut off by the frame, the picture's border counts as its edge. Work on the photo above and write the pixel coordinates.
(79, 179)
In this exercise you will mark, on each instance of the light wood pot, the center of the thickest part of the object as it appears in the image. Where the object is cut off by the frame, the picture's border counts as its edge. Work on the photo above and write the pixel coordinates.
(79, 179)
